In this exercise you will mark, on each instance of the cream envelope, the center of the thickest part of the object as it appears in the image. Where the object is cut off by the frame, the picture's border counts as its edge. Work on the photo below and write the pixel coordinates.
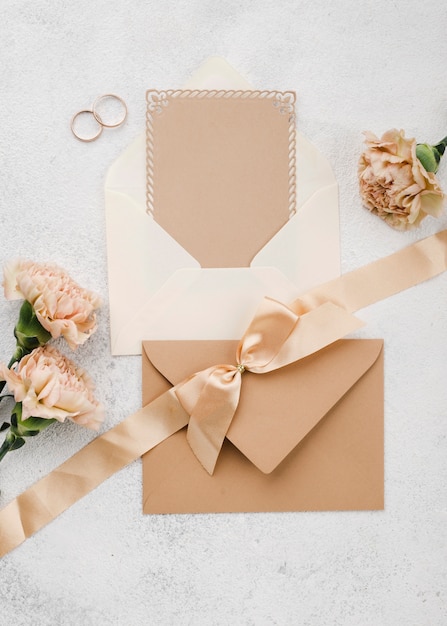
(158, 289)
(308, 436)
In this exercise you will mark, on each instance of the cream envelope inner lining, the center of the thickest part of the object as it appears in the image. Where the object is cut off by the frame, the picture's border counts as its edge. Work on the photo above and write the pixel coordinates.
(158, 291)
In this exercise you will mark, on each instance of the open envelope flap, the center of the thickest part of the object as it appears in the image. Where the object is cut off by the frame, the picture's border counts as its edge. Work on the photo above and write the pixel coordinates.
(277, 409)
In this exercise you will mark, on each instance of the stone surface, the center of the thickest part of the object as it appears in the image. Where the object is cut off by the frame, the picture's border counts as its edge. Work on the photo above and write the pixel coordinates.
(355, 66)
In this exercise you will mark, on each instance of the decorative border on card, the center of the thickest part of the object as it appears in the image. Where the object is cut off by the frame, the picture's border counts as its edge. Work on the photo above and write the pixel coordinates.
(158, 101)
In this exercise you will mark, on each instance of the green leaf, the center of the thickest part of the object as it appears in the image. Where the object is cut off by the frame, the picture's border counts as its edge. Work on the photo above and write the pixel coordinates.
(31, 433)
(18, 443)
(29, 332)
(17, 410)
(29, 427)
(15, 418)
(34, 424)
(441, 146)
(429, 157)
(4, 426)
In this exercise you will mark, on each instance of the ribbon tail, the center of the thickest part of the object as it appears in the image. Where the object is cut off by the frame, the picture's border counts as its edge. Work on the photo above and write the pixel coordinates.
(88, 468)
(385, 277)
(212, 414)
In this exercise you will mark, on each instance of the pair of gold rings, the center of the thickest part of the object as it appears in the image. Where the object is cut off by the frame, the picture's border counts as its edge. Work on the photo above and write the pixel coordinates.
(99, 119)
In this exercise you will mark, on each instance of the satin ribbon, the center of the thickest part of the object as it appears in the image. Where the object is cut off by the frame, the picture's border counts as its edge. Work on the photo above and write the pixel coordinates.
(206, 401)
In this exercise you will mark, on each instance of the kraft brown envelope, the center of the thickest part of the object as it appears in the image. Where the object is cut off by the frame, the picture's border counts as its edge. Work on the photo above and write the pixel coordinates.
(306, 437)
(221, 170)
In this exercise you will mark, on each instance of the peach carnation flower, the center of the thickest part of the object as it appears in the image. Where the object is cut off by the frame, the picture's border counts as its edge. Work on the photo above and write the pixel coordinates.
(62, 307)
(393, 183)
(50, 386)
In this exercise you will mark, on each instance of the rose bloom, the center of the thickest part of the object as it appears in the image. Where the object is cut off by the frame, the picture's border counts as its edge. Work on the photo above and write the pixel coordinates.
(393, 183)
(51, 386)
(61, 305)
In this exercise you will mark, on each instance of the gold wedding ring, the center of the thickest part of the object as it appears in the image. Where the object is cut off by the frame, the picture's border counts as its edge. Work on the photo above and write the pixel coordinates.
(73, 130)
(98, 118)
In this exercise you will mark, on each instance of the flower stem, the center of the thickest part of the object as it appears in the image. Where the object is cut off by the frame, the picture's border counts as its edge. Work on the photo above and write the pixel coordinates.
(6, 445)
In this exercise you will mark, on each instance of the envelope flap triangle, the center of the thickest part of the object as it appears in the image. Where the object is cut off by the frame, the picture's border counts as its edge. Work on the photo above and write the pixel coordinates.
(278, 409)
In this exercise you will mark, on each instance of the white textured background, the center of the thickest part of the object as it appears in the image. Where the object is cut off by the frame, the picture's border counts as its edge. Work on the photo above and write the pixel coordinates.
(355, 66)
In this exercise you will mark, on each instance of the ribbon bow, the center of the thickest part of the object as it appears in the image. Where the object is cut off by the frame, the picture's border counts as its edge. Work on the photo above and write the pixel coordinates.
(277, 336)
